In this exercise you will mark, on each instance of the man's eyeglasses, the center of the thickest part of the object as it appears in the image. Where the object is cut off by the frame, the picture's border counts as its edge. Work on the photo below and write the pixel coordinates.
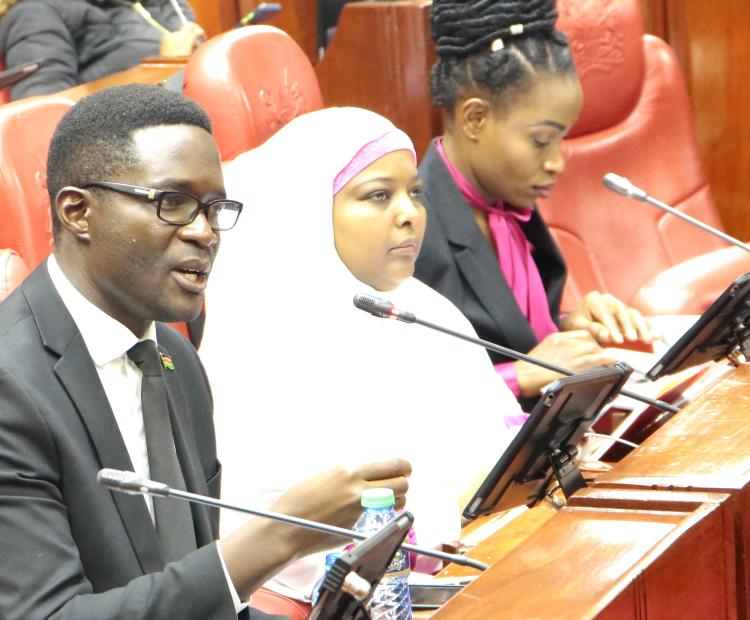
(180, 209)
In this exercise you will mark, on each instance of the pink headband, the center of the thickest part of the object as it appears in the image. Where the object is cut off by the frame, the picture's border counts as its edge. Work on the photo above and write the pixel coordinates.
(393, 140)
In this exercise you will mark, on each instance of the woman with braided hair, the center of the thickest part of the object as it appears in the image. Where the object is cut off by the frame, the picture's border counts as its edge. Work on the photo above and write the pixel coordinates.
(509, 92)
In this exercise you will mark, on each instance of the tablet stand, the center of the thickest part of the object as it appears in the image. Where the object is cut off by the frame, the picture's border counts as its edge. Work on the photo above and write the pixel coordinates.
(350, 582)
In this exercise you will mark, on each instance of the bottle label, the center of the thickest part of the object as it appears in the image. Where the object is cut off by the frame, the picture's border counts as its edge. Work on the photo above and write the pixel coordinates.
(399, 565)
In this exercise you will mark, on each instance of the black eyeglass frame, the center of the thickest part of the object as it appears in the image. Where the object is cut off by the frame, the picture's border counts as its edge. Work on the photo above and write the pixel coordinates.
(158, 195)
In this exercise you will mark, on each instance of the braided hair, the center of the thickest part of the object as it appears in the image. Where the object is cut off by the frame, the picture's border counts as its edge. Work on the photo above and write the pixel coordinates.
(494, 48)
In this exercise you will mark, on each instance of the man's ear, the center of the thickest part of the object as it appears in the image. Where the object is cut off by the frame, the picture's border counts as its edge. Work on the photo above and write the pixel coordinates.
(472, 116)
(73, 206)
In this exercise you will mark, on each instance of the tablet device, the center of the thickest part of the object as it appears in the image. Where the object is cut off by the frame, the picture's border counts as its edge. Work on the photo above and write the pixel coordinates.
(546, 445)
(16, 74)
(719, 332)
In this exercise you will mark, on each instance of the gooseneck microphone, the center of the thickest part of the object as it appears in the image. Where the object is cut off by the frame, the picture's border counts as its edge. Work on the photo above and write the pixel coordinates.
(133, 484)
(626, 188)
(384, 309)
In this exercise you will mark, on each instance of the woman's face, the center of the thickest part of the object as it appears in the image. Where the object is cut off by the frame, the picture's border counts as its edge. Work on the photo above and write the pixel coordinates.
(516, 153)
(379, 221)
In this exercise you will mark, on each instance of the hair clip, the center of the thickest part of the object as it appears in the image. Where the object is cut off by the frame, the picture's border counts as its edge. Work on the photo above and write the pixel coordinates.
(497, 45)
(516, 29)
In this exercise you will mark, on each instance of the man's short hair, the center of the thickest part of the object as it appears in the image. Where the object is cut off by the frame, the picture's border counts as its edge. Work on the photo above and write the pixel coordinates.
(93, 141)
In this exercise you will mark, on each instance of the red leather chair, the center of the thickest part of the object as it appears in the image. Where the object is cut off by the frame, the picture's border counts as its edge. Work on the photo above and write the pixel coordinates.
(26, 128)
(12, 272)
(636, 122)
(251, 81)
(273, 603)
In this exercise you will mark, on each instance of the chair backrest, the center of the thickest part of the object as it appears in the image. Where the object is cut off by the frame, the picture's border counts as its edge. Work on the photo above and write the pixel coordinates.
(12, 271)
(26, 129)
(272, 602)
(251, 81)
(636, 122)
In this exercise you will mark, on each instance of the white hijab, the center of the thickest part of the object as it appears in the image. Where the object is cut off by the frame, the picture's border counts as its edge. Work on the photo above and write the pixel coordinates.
(302, 380)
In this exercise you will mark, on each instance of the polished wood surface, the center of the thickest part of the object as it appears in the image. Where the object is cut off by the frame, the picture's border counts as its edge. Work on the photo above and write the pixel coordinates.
(707, 448)
(614, 554)
(489, 539)
(298, 18)
(380, 58)
(216, 16)
(155, 72)
(654, 17)
(712, 43)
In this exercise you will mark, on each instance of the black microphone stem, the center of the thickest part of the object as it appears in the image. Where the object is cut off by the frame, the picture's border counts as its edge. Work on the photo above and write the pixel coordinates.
(328, 529)
(536, 362)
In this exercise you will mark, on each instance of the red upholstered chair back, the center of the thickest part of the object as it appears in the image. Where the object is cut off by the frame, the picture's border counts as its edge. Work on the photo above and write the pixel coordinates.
(26, 128)
(12, 271)
(273, 603)
(636, 122)
(251, 81)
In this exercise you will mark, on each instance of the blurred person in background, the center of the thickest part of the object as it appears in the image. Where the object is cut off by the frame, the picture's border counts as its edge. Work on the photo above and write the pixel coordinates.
(84, 40)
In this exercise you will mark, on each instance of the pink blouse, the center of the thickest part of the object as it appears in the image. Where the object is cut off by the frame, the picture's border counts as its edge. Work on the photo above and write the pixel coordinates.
(514, 258)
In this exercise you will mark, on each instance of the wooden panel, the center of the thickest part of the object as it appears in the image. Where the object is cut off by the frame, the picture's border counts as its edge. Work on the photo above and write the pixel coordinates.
(705, 447)
(614, 555)
(298, 18)
(151, 71)
(712, 42)
(215, 16)
(654, 17)
(380, 58)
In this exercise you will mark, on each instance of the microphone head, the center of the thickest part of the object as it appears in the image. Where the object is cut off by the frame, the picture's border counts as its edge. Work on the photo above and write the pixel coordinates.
(374, 305)
(130, 482)
(623, 186)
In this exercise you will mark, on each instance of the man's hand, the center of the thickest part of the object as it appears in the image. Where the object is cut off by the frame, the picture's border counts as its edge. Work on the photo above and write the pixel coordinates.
(574, 350)
(261, 548)
(182, 42)
(608, 320)
(333, 497)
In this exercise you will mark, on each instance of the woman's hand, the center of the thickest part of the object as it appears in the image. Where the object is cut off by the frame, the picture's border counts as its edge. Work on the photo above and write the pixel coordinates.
(182, 42)
(608, 320)
(574, 350)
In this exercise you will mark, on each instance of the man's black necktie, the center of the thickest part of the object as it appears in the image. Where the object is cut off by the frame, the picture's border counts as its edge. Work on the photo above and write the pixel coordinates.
(174, 522)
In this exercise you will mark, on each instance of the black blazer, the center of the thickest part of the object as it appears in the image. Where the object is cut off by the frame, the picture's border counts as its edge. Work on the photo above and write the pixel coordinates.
(457, 261)
(69, 548)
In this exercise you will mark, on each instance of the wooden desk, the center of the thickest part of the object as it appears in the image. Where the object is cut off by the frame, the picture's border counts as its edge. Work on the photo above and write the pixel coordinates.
(614, 553)
(706, 448)
(154, 71)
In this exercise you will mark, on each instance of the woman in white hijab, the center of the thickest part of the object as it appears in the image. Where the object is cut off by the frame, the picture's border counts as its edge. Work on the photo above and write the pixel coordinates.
(301, 378)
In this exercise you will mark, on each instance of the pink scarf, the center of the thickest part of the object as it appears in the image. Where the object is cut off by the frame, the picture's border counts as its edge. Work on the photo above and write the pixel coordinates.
(513, 251)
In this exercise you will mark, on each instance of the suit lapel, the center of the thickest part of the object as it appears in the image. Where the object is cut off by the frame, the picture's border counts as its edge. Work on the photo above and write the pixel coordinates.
(187, 451)
(474, 257)
(78, 375)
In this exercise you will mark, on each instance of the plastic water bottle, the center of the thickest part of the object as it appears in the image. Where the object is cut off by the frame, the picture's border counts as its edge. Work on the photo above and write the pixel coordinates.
(391, 600)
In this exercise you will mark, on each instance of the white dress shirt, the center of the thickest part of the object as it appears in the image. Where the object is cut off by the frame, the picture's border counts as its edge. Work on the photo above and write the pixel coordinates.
(108, 342)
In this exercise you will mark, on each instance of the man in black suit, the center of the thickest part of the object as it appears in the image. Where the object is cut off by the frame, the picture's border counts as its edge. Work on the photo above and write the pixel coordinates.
(137, 201)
